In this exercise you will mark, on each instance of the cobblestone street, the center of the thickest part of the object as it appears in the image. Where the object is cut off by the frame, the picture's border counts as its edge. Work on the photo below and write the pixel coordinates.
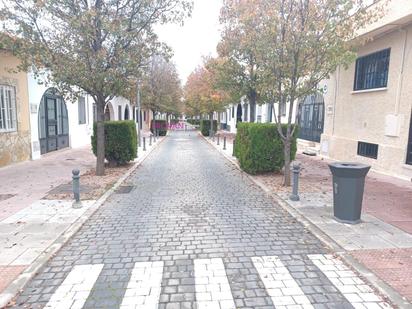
(194, 233)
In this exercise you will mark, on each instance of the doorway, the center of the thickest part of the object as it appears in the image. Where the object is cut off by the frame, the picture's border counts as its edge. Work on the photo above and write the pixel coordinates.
(239, 113)
(311, 120)
(53, 122)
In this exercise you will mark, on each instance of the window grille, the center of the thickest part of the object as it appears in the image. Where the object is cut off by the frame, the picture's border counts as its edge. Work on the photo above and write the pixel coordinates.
(368, 150)
(372, 70)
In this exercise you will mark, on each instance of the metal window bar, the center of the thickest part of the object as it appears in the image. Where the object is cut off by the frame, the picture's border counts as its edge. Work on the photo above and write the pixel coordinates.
(372, 70)
(368, 150)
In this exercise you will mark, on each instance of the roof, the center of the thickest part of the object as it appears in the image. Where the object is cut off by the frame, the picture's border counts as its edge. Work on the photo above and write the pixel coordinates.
(398, 14)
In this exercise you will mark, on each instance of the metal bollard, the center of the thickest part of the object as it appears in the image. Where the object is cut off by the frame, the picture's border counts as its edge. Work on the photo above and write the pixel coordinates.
(218, 140)
(150, 140)
(76, 188)
(144, 143)
(233, 150)
(295, 186)
(224, 142)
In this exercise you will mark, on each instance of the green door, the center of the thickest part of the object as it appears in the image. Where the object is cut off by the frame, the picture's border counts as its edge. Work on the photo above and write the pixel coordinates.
(51, 124)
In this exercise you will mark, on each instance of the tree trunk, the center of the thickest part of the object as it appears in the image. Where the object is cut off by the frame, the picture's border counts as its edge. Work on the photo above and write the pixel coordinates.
(287, 162)
(270, 113)
(211, 125)
(252, 103)
(100, 137)
(154, 124)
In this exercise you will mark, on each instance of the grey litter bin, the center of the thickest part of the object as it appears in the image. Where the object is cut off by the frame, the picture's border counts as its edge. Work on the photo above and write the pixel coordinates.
(348, 185)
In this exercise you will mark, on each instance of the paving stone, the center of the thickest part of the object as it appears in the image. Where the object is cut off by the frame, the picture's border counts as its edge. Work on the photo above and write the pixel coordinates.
(189, 205)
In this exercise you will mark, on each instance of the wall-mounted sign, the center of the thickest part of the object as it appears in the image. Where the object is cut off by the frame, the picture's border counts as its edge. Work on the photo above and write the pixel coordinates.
(329, 109)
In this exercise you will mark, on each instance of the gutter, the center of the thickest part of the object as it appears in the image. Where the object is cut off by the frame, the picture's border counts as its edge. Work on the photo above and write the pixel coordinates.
(400, 80)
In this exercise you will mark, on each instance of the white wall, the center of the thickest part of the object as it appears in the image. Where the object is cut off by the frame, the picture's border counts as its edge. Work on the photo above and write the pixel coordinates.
(79, 134)
(122, 102)
(261, 110)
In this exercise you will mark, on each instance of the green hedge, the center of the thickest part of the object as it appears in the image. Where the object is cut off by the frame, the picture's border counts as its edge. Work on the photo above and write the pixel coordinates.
(259, 148)
(120, 141)
(161, 127)
(205, 127)
(195, 122)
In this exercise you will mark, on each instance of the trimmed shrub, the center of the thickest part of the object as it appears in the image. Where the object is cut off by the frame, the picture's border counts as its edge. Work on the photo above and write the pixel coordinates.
(259, 148)
(161, 127)
(195, 122)
(205, 127)
(120, 141)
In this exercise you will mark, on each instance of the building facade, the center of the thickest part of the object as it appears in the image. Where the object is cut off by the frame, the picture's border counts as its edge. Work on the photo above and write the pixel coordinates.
(14, 112)
(36, 119)
(368, 105)
(56, 123)
(240, 112)
(119, 108)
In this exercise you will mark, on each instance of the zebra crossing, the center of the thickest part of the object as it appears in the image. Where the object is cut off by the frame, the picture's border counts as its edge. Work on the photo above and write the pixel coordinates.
(279, 283)
(75, 289)
(143, 290)
(212, 285)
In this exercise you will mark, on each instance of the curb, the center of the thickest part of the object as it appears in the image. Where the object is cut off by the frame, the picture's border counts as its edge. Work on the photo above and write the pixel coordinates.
(20, 282)
(381, 286)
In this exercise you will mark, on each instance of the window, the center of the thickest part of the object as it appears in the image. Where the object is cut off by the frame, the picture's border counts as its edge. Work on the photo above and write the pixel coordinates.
(259, 113)
(368, 150)
(233, 112)
(8, 122)
(82, 110)
(269, 113)
(119, 111)
(283, 107)
(372, 70)
(144, 115)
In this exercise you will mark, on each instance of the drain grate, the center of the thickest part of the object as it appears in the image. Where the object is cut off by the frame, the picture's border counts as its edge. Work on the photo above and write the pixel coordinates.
(124, 189)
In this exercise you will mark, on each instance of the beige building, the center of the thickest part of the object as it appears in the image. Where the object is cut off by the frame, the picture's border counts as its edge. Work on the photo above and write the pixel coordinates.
(368, 105)
(15, 143)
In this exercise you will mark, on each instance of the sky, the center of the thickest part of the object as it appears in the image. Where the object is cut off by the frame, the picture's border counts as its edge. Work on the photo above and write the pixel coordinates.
(198, 37)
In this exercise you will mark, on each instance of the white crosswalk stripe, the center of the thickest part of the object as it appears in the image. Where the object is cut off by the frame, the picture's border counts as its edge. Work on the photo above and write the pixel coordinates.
(353, 288)
(280, 285)
(212, 286)
(143, 289)
(73, 292)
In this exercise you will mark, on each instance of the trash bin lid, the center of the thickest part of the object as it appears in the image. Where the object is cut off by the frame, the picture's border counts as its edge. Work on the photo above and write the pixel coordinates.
(349, 169)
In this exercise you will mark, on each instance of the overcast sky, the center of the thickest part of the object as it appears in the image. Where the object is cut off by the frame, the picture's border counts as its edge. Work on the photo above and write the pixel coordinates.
(198, 37)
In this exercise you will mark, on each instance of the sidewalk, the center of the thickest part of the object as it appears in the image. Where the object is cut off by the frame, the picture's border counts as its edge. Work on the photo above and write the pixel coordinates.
(29, 181)
(382, 242)
(36, 208)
